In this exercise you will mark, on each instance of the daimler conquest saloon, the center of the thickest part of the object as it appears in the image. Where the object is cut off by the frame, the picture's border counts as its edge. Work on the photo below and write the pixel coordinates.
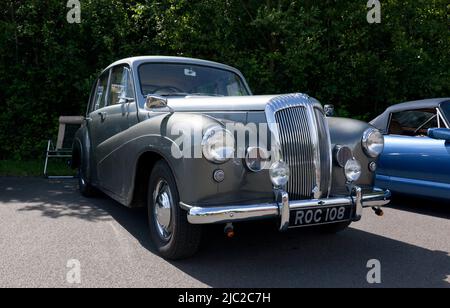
(187, 139)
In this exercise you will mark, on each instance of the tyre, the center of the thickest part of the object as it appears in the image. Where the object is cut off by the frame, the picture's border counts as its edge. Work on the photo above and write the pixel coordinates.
(86, 189)
(170, 231)
(334, 228)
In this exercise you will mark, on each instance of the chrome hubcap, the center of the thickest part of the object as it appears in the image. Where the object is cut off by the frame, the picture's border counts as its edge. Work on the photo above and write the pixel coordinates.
(163, 204)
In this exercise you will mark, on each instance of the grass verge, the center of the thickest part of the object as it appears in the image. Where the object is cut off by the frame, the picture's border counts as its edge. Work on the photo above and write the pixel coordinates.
(56, 167)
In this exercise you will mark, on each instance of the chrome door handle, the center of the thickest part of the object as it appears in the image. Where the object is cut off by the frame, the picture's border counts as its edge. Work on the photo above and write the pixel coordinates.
(103, 115)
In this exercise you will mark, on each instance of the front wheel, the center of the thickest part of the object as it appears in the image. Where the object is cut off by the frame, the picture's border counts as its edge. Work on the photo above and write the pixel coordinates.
(170, 231)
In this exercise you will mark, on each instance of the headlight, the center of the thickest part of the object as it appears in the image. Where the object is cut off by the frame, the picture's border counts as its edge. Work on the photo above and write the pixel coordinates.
(373, 142)
(352, 170)
(257, 159)
(279, 174)
(218, 145)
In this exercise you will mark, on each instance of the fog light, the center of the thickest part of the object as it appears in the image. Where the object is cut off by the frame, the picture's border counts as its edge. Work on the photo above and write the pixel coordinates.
(352, 170)
(279, 174)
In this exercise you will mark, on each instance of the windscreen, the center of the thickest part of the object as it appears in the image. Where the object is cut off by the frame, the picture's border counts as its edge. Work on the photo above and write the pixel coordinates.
(168, 79)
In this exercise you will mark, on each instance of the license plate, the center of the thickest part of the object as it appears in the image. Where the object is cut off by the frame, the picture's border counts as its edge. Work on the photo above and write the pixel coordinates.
(319, 216)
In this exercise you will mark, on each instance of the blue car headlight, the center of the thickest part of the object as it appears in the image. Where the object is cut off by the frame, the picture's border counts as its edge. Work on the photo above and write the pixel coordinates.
(373, 142)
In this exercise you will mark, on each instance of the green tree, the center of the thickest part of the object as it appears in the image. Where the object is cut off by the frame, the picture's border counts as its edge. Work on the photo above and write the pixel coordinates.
(324, 48)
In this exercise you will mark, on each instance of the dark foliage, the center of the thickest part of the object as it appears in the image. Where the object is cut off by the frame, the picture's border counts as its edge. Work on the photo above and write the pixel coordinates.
(325, 48)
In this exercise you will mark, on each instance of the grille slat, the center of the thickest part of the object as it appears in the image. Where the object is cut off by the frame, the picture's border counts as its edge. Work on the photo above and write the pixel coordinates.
(296, 169)
(300, 152)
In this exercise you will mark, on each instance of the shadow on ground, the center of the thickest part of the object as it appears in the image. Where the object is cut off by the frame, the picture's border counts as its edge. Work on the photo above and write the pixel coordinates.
(259, 256)
(436, 208)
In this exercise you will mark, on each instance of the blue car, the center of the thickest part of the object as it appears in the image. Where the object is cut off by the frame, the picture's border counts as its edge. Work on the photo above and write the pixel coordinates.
(416, 156)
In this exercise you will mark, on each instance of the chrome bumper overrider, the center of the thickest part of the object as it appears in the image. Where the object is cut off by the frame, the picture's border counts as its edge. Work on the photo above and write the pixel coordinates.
(282, 208)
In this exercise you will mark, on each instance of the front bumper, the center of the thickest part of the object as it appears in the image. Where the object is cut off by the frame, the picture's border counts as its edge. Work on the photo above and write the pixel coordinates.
(283, 207)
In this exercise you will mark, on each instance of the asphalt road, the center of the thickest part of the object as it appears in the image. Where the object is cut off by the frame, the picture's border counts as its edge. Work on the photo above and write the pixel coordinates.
(45, 223)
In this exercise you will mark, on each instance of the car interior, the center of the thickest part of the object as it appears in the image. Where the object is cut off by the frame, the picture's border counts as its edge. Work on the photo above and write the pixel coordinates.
(414, 123)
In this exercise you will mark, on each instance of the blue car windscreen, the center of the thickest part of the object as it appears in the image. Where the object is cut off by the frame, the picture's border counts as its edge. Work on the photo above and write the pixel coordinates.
(445, 107)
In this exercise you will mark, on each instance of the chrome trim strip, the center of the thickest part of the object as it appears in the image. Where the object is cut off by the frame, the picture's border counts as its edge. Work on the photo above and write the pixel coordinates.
(236, 213)
(325, 151)
(317, 193)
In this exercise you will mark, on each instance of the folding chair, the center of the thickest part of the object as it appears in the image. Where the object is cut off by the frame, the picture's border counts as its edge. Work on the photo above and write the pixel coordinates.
(68, 126)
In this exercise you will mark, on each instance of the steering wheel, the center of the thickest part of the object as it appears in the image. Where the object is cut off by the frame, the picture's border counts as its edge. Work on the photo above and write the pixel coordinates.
(169, 89)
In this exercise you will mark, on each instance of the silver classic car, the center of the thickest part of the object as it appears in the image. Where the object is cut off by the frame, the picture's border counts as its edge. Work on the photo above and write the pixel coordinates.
(187, 139)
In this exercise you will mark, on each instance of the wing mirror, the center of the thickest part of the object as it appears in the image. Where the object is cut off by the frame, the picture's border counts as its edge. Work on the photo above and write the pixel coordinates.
(329, 110)
(153, 102)
(439, 133)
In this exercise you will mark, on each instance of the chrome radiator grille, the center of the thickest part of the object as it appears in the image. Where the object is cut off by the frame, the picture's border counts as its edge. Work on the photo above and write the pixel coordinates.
(297, 150)
(305, 147)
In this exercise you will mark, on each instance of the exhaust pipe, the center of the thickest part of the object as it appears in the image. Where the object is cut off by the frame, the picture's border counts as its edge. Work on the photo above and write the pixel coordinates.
(378, 211)
(229, 231)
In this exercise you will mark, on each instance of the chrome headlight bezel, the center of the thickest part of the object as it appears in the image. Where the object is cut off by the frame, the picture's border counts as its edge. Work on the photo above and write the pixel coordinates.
(373, 142)
(222, 139)
(257, 159)
(342, 154)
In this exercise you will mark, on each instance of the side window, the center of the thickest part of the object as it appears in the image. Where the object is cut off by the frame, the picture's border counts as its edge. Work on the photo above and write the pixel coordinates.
(413, 122)
(100, 91)
(445, 113)
(121, 86)
(91, 101)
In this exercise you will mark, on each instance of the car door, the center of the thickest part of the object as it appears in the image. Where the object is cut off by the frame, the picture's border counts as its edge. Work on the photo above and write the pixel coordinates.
(412, 162)
(95, 123)
(119, 114)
